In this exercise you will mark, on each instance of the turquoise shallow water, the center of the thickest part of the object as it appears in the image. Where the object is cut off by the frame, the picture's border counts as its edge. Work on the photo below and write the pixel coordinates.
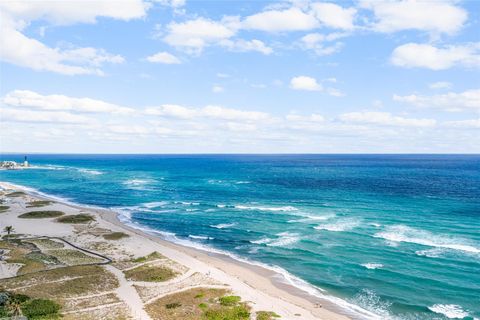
(397, 235)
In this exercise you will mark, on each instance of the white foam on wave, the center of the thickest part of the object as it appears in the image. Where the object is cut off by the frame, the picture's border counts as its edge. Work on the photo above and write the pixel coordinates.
(372, 266)
(187, 203)
(402, 233)
(155, 204)
(261, 241)
(200, 237)
(223, 225)
(285, 239)
(262, 208)
(310, 218)
(47, 167)
(451, 311)
(339, 225)
(431, 253)
(89, 171)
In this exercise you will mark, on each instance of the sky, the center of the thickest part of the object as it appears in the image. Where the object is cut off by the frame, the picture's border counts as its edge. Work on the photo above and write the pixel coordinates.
(184, 76)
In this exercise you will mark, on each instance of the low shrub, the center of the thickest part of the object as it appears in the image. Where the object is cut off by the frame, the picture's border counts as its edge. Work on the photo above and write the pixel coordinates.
(38, 203)
(76, 218)
(229, 300)
(115, 236)
(267, 315)
(4, 208)
(41, 309)
(173, 305)
(41, 214)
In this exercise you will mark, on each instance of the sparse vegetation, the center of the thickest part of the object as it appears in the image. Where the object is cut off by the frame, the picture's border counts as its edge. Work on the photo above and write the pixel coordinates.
(38, 203)
(267, 315)
(152, 256)
(16, 194)
(199, 303)
(15, 305)
(41, 214)
(150, 273)
(76, 218)
(73, 257)
(229, 300)
(4, 208)
(115, 236)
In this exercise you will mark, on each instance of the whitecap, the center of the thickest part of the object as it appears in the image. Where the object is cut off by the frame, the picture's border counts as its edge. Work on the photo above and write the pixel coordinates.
(285, 238)
(372, 266)
(431, 253)
(136, 184)
(310, 218)
(261, 241)
(401, 233)
(451, 311)
(339, 225)
(223, 225)
(89, 171)
(200, 237)
(156, 204)
(262, 208)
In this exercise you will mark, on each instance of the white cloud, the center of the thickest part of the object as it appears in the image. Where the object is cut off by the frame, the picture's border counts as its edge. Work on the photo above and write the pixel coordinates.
(212, 112)
(384, 119)
(171, 110)
(299, 118)
(334, 16)
(431, 16)
(16, 115)
(319, 43)
(305, 83)
(247, 45)
(440, 85)
(464, 101)
(292, 19)
(21, 50)
(164, 57)
(217, 89)
(55, 102)
(428, 56)
(129, 129)
(194, 35)
(463, 124)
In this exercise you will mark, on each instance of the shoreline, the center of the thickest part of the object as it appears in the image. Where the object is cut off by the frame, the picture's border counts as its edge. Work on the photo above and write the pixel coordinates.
(255, 276)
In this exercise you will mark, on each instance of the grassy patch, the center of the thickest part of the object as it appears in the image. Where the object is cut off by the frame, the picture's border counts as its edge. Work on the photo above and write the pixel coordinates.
(16, 194)
(73, 257)
(152, 256)
(41, 309)
(41, 214)
(199, 303)
(63, 283)
(46, 244)
(150, 273)
(229, 300)
(19, 253)
(267, 315)
(38, 203)
(4, 208)
(77, 218)
(115, 236)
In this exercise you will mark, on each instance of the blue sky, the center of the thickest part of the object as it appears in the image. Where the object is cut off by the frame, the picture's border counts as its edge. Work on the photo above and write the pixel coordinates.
(177, 76)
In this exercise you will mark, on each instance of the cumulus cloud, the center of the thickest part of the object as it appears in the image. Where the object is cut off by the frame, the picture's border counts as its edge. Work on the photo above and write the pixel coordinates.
(163, 57)
(413, 55)
(55, 102)
(463, 124)
(217, 89)
(194, 35)
(246, 45)
(322, 44)
(292, 19)
(464, 101)
(19, 49)
(305, 83)
(384, 119)
(430, 16)
(334, 16)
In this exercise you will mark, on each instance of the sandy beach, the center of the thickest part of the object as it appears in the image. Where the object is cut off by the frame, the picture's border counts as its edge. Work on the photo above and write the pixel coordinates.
(261, 288)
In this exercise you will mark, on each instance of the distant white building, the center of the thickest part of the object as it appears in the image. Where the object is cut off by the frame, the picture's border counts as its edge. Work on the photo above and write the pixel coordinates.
(12, 165)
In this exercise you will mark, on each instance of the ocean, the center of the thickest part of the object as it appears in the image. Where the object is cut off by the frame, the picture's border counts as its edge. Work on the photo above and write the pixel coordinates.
(396, 235)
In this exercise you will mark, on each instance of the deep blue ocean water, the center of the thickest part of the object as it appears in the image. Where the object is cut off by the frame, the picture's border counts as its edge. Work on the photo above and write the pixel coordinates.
(398, 235)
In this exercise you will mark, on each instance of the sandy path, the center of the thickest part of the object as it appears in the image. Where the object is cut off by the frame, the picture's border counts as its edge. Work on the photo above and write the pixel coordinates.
(127, 293)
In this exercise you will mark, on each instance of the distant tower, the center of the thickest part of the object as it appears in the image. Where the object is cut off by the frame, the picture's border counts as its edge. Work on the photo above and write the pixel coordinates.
(25, 162)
